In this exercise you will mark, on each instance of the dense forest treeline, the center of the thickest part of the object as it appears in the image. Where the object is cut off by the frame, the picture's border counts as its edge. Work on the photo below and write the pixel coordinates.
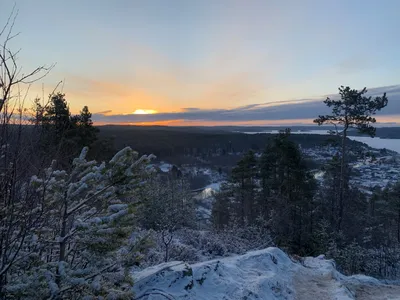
(169, 142)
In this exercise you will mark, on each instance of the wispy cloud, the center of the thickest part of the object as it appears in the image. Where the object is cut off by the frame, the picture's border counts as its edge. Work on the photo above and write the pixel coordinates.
(301, 109)
(104, 112)
(191, 109)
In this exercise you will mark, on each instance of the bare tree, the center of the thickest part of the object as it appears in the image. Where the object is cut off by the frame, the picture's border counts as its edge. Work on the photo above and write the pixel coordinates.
(167, 236)
(11, 74)
(17, 213)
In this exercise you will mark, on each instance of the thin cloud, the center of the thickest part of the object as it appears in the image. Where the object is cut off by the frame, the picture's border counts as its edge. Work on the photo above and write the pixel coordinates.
(103, 112)
(191, 109)
(272, 111)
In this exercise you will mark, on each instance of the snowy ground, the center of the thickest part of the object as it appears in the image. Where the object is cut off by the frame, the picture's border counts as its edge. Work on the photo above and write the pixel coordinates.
(264, 274)
(165, 167)
(209, 190)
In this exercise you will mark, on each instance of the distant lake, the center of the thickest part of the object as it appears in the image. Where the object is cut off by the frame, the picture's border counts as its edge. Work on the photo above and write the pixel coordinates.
(377, 143)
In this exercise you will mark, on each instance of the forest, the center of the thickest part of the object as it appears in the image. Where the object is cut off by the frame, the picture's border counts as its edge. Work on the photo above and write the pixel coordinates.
(174, 143)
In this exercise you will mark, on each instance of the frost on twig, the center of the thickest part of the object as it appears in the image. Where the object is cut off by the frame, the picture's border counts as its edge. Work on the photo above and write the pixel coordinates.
(81, 243)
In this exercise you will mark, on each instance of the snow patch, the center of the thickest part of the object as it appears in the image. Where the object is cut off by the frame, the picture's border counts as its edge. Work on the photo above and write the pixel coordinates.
(165, 167)
(210, 189)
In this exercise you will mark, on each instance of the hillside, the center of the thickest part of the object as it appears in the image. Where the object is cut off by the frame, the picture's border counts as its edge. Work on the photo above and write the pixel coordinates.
(264, 274)
(177, 144)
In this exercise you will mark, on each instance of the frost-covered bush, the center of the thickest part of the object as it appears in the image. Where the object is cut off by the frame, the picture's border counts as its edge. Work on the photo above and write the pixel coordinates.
(381, 262)
(78, 245)
(352, 259)
(192, 245)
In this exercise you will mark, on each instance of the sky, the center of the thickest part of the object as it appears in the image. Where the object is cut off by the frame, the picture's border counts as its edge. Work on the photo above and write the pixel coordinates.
(209, 62)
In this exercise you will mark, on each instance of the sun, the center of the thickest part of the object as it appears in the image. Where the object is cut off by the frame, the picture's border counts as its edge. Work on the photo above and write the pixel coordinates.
(144, 112)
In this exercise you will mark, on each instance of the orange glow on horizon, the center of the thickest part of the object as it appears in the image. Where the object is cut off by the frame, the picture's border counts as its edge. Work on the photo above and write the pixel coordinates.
(213, 123)
(285, 122)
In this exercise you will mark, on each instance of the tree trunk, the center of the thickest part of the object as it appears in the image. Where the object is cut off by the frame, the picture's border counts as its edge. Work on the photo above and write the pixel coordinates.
(341, 180)
(166, 253)
(242, 201)
(398, 225)
(62, 242)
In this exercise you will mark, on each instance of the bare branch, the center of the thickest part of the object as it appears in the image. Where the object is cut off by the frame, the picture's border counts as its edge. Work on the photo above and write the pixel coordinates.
(10, 73)
(24, 78)
(8, 20)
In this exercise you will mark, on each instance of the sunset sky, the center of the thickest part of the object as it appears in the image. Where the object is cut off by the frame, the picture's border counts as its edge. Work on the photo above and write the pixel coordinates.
(209, 62)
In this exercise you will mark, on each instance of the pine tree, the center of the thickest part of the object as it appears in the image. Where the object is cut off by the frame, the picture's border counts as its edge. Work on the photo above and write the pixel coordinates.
(244, 177)
(79, 243)
(54, 121)
(56, 116)
(394, 204)
(82, 130)
(287, 190)
(223, 213)
(85, 117)
(330, 190)
(353, 110)
(63, 133)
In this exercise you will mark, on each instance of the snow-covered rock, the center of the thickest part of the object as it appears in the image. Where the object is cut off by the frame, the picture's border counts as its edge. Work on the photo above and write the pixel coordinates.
(264, 274)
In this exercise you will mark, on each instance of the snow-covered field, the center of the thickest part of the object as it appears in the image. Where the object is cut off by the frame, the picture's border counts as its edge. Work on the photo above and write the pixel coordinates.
(264, 274)
(377, 143)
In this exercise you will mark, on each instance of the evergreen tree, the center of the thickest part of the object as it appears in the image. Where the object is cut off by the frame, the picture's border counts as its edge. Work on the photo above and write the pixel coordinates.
(82, 130)
(288, 189)
(244, 177)
(78, 245)
(56, 117)
(278, 190)
(63, 133)
(330, 190)
(353, 110)
(223, 213)
(394, 205)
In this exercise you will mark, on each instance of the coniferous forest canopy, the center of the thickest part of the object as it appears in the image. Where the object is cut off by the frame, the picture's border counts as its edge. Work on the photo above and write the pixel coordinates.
(81, 206)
